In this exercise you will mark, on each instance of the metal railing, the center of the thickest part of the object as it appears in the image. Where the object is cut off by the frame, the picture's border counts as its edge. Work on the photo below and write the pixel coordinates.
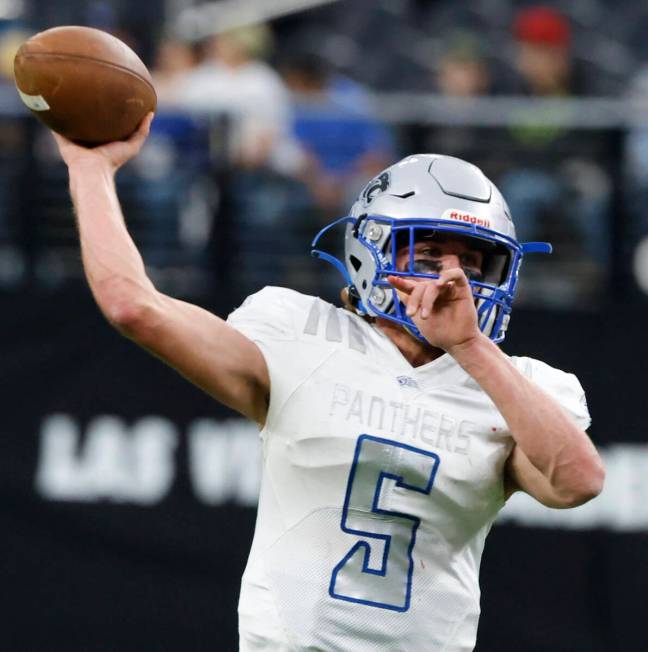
(194, 215)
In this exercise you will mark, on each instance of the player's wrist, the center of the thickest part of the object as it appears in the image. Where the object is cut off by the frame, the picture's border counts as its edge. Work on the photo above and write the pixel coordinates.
(473, 350)
(91, 165)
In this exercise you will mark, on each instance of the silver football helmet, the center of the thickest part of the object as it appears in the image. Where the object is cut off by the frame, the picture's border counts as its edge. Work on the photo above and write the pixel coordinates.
(428, 196)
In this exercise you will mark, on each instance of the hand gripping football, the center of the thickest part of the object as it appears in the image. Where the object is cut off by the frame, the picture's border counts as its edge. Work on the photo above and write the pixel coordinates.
(84, 84)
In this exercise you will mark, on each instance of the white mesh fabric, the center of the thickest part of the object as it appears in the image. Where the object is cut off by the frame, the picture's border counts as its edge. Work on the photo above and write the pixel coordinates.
(299, 568)
(563, 387)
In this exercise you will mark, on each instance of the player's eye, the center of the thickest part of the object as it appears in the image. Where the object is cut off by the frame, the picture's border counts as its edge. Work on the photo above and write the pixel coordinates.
(434, 252)
(426, 266)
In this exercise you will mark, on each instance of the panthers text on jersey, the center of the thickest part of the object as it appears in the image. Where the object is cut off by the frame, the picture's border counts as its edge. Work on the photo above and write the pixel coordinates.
(380, 483)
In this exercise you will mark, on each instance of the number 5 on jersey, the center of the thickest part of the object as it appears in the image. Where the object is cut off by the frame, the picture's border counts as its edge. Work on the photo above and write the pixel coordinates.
(377, 571)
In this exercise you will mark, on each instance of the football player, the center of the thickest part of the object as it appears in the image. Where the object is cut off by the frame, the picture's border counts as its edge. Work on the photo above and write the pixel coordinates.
(393, 429)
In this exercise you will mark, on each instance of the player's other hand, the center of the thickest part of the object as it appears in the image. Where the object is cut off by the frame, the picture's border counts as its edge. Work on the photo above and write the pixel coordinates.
(113, 155)
(443, 309)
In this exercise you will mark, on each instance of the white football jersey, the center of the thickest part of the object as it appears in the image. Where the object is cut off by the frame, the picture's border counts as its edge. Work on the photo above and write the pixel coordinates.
(380, 484)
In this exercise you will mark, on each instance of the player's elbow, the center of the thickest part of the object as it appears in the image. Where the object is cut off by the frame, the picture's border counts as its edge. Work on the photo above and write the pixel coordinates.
(130, 318)
(586, 484)
(127, 306)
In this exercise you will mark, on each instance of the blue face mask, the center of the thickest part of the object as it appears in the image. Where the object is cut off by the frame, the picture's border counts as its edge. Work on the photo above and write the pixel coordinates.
(371, 249)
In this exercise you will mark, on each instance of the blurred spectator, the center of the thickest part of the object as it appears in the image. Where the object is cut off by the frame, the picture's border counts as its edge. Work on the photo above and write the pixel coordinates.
(234, 79)
(551, 195)
(544, 58)
(160, 184)
(174, 60)
(11, 38)
(462, 70)
(13, 150)
(266, 209)
(169, 219)
(333, 122)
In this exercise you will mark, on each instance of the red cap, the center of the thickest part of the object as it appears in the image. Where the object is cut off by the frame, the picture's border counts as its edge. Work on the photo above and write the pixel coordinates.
(542, 25)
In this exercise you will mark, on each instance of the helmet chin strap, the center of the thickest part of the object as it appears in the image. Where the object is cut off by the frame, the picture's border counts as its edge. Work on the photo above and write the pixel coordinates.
(410, 329)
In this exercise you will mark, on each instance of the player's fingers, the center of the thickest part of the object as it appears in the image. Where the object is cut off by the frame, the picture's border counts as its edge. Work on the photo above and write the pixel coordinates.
(142, 131)
(414, 299)
(402, 297)
(402, 284)
(146, 123)
(455, 275)
(427, 300)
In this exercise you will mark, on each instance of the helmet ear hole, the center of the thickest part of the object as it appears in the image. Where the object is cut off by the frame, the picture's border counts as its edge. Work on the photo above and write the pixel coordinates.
(355, 262)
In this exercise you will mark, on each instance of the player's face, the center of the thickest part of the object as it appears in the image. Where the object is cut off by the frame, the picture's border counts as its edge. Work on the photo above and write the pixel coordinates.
(435, 254)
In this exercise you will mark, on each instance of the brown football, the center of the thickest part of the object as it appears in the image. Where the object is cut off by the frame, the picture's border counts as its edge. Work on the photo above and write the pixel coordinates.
(84, 84)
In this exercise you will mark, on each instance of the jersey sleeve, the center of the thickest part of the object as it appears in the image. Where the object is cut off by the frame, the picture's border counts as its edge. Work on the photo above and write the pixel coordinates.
(560, 385)
(269, 319)
(264, 318)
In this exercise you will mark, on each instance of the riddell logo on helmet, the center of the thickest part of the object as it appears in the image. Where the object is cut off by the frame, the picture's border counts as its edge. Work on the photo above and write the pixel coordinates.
(467, 218)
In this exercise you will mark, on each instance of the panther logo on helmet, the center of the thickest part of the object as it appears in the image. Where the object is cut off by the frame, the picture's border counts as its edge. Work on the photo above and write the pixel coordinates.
(375, 187)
